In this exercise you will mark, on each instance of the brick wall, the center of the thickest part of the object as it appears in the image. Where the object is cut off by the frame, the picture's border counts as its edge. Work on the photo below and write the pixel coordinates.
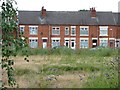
(45, 31)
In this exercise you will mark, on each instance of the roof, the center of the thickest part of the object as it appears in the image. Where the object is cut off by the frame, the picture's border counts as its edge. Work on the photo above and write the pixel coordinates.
(68, 17)
(117, 18)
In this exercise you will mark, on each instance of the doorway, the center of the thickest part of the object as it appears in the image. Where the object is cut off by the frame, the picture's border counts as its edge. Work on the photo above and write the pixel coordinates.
(44, 43)
(112, 43)
(73, 44)
(94, 43)
(67, 43)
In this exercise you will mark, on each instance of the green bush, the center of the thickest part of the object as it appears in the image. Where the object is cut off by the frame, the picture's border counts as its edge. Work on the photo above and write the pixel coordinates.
(62, 51)
(103, 52)
(35, 51)
(84, 52)
(101, 81)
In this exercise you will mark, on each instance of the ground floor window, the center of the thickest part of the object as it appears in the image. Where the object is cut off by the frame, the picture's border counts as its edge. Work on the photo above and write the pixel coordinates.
(55, 43)
(33, 43)
(104, 43)
(83, 43)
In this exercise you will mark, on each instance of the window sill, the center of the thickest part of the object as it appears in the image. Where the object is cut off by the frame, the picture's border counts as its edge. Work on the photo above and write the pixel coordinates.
(84, 35)
(103, 35)
(73, 35)
(33, 34)
(55, 34)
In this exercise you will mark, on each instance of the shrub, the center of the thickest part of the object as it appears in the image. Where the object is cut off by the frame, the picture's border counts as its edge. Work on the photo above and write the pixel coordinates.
(104, 52)
(62, 51)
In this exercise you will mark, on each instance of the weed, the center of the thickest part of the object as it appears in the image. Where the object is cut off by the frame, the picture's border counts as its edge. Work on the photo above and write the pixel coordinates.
(21, 72)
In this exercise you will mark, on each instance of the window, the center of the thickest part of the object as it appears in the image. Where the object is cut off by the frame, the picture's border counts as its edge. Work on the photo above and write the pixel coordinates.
(56, 31)
(104, 43)
(66, 30)
(103, 31)
(73, 30)
(84, 30)
(22, 29)
(55, 42)
(33, 43)
(33, 30)
(84, 43)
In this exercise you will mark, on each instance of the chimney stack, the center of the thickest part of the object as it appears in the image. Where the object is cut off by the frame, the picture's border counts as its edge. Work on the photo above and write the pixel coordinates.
(93, 12)
(43, 12)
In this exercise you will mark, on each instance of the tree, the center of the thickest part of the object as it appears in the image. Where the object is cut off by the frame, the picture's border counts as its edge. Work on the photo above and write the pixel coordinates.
(12, 40)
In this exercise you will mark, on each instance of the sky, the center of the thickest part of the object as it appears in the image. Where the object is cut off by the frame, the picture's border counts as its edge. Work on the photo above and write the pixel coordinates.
(68, 5)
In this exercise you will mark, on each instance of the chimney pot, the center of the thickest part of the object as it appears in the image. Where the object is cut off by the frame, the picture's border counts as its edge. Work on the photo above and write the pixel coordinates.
(43, 12)
(93, 12)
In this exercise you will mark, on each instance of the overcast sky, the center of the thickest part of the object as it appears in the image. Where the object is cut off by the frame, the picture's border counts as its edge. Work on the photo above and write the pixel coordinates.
(68, 5)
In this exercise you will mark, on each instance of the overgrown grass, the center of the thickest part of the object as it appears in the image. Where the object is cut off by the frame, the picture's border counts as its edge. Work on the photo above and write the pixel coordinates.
(104, 80)
(24, 71)
(100, 68)
(103, 52)
(71, 68)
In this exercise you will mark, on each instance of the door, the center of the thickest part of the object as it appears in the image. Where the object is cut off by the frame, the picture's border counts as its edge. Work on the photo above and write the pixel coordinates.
(67, 43)
(73, 44)
(112, 43)
(44, 43)
(94, 43)
(117, 43)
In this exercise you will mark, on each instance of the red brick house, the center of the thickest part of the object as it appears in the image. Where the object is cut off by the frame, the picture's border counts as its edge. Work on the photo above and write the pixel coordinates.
(74, 29)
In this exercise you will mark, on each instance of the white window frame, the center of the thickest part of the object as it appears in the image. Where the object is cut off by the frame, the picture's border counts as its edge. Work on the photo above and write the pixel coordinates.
(66, 41)
(67, 30)
(103, 28)
(74, 31)
(103, 39)
(84, 27)
(55, 39)
(84, 39)
(22, 30)
(33, 38)
(57, 31)
(33, 31)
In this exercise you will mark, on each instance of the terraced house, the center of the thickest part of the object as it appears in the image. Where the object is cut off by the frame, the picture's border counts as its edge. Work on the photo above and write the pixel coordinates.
(73, 29)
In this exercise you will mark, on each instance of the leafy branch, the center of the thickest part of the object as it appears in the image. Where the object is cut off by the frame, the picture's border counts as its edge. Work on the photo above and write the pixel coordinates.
(12, 40)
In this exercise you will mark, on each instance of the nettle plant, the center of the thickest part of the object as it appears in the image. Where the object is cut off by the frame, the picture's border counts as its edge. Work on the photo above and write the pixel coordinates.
(12, 40)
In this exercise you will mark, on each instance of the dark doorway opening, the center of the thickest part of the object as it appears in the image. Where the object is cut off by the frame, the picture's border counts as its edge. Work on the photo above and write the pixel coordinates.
(112, 43)
(94, 43)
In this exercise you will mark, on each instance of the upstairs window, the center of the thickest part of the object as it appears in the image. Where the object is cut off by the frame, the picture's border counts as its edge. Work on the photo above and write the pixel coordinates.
(33, 30)
(103, 30)
(56, 31)
(84, 30)
(73, 30)
(66, 30)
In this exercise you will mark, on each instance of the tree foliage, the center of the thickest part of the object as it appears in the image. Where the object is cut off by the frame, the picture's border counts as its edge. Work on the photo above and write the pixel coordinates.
(12, 40)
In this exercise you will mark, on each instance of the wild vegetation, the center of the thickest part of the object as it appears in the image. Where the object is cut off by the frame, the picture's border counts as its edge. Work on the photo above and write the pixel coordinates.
(67, 68)
(10, 40)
